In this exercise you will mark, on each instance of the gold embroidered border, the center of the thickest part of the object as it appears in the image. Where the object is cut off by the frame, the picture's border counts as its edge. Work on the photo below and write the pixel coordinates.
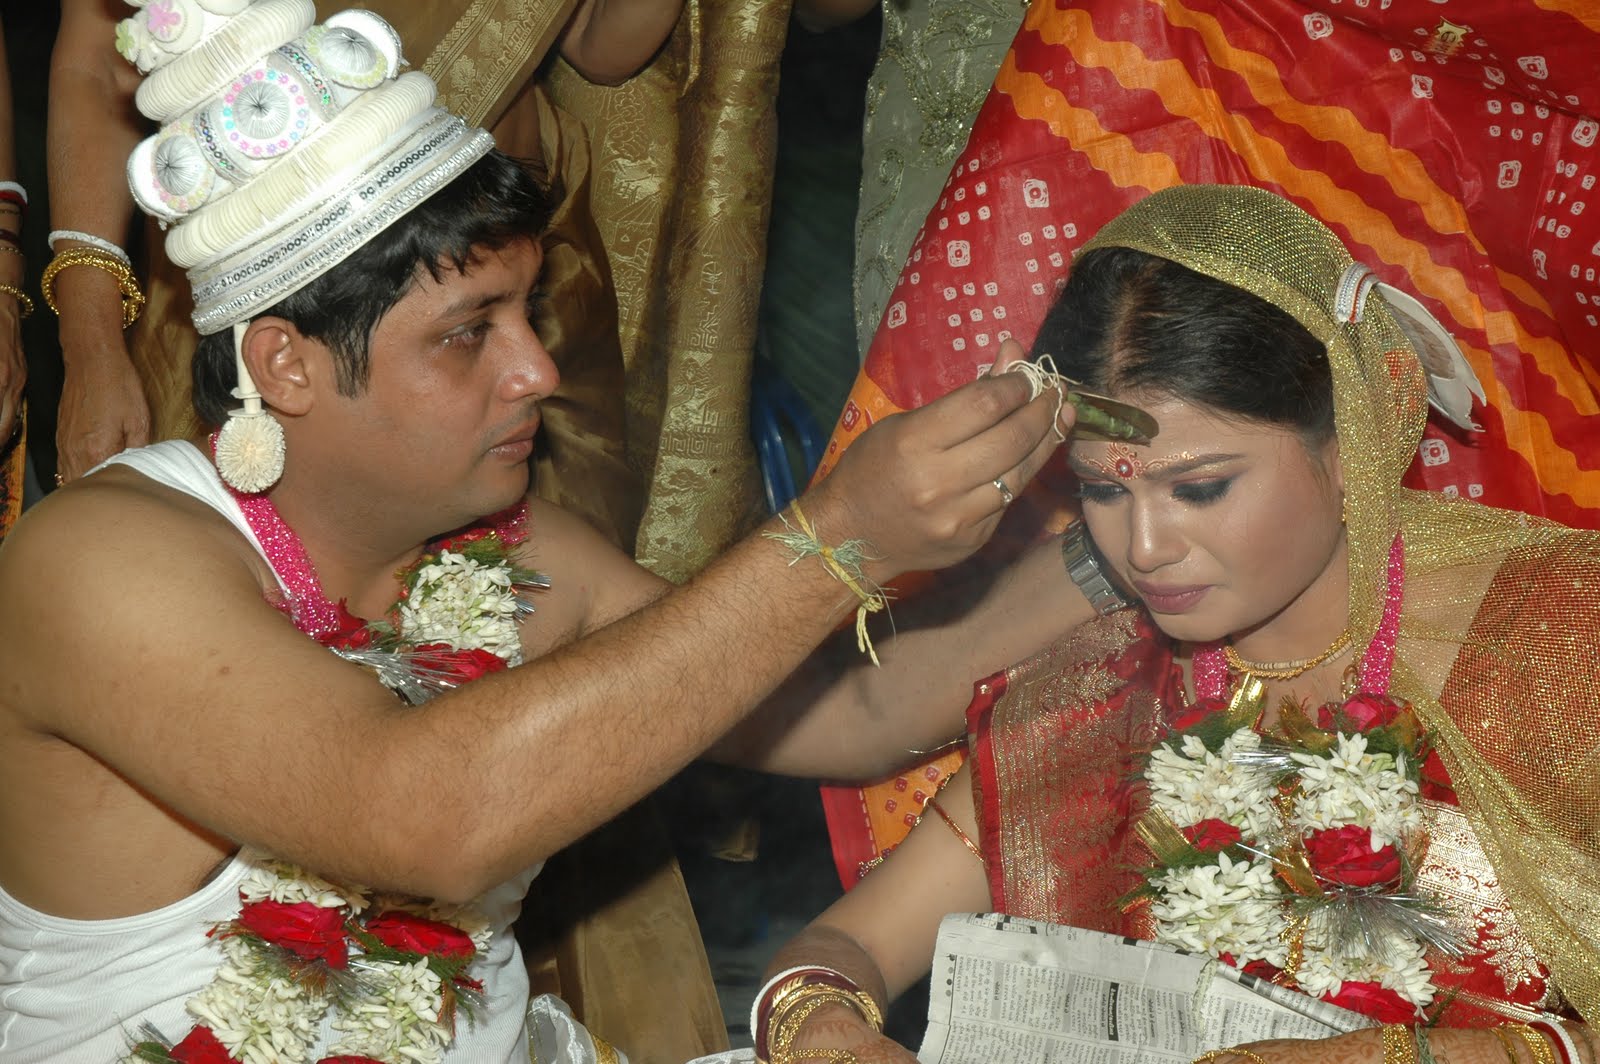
(490, 53)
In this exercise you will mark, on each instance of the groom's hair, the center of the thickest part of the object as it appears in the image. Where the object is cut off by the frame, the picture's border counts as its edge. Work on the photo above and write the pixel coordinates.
(492, 204)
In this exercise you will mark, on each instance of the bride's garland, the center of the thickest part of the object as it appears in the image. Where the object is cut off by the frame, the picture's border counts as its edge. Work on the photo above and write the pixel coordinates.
(393, 971)
(1294, 857)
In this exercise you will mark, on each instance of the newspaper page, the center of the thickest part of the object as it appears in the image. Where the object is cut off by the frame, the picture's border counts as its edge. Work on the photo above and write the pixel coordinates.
(1014, 990)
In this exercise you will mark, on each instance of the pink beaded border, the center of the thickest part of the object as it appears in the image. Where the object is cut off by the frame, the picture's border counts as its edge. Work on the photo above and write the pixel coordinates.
(309, 606)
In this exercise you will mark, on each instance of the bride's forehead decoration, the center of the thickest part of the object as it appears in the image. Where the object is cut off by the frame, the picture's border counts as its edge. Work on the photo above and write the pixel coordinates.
(1122, 462)
(284, 146)
(1266, 245)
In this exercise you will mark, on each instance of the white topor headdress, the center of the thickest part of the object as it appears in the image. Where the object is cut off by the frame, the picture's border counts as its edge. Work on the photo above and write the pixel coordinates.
(284, 146)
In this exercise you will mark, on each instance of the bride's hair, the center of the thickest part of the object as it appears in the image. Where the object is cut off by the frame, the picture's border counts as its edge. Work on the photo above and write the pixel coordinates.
(1129, 323)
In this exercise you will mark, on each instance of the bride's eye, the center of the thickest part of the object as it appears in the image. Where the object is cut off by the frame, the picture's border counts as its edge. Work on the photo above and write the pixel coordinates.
(1098, 491)
(1201, 492)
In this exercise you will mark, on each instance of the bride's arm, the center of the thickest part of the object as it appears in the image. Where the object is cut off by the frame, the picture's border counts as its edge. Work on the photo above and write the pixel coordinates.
(881, 934)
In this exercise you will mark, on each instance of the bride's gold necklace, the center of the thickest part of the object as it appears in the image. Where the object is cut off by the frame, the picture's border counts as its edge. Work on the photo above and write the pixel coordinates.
(1285, 670)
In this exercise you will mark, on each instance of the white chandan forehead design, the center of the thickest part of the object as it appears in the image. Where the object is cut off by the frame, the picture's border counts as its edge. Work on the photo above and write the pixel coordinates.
(284, 145)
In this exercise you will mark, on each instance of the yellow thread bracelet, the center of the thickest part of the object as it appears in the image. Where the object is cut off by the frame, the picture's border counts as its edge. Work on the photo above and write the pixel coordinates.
(843, 561)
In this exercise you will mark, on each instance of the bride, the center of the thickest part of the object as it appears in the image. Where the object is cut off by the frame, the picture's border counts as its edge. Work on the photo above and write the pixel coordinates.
(1414, 678)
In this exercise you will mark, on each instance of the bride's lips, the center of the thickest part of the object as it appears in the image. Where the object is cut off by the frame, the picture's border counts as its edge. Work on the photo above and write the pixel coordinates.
(1171, 598)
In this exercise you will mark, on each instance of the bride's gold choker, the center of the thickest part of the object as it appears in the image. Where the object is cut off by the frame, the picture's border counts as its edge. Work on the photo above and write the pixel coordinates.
(1285, 670)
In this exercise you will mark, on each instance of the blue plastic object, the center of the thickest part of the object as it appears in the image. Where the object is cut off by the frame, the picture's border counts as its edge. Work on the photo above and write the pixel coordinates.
(788, 444)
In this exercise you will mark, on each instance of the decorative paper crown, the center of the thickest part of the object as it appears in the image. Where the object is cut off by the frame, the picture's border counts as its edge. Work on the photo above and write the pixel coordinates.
(283, 147)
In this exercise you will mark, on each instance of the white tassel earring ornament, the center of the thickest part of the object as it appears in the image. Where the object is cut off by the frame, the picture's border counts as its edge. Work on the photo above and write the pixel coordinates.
(250, 446)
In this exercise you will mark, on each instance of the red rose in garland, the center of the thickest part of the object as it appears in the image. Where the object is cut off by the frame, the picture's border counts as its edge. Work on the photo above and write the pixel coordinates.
(310, 932)
(1372, 999)
(200, 1046)
(461, 666)
(351, 632)
(414, 934)
(1345, 856)
(1362, 713)
(1212, 835)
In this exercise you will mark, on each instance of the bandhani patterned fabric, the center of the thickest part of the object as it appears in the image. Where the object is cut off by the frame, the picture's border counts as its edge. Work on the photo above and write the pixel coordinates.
(1451, 147)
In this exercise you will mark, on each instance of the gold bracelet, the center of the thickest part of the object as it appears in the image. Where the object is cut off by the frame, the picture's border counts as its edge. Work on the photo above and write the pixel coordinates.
(966, 840)
(798, 1007)
(1543, 1052)
(798, 990)
(1399, 1044)
(20, 296)
(127, 283)
(11, 249)
(1506, 1043)
(1218, 1054)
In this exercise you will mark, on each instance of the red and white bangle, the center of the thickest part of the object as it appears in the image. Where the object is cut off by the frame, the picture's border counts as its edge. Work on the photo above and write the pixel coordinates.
(1566, 1048)
(783, 985)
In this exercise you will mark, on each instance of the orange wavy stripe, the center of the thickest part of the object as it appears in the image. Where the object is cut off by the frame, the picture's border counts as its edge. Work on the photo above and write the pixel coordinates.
(1268, 161)
(1528, 433)
(1110, 152)
(1584, 12)
(1372, 152)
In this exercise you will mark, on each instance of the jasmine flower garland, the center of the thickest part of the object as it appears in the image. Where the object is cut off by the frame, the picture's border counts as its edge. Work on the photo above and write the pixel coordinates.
(1292, 855)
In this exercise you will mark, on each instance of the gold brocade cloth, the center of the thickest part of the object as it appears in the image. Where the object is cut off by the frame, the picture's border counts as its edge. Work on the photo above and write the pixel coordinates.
(683, 181)
(1498, 628)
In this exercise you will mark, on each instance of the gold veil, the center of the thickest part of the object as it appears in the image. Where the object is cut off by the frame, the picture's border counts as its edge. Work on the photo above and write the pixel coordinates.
(1501, 611)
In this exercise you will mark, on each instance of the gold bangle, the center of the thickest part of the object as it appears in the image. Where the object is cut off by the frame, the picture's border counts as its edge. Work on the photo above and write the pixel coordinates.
(11, 249)
(798, 1007)
(127, 284)
(20, 296)
(1399, 1044)
(798, 991)
(1238, 1051)
(966, 840)
(1506, 1043)
(1543, 1052)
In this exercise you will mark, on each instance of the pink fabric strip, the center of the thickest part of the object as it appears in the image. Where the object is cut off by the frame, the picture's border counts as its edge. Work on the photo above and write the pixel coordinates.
(1211, 667)
(308, 606)
(1378, 662)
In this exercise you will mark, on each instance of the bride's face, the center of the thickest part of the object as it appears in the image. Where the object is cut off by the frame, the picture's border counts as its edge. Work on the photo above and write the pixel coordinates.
(1222, 527)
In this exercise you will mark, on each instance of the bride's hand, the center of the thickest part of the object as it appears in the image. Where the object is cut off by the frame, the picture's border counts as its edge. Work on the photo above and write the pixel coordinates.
(842, 1027)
